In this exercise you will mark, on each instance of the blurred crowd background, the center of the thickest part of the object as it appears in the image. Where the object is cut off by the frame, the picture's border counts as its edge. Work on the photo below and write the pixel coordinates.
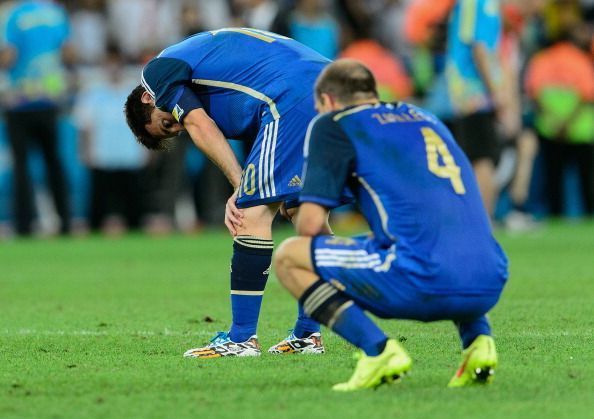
(69, 165)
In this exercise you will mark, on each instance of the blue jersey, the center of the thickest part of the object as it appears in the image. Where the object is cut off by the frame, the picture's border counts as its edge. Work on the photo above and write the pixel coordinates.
(471, 22)
(37, 30)
(415, 187)
(243, 78)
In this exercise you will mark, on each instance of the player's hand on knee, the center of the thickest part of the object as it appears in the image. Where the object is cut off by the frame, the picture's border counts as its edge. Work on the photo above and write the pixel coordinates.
(233, 215)
(287, 213)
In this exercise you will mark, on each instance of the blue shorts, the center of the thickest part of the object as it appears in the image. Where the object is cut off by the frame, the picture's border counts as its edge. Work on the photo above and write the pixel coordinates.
(273, 169)
(370, 275)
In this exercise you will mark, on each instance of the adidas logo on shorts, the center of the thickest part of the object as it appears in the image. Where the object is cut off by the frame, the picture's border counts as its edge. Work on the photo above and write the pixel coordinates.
(296, 181)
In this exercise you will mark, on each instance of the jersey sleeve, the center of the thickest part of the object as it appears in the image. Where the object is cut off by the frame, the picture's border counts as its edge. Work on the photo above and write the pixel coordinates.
(329, 162)
(169, 80)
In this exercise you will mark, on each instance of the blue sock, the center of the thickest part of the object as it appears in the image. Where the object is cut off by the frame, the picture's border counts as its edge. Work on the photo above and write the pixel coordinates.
(334, 309)
(469, 331)
(305, 325)
(250, 266)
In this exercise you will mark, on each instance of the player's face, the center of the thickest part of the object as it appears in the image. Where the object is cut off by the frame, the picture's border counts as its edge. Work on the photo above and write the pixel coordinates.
(163, 125)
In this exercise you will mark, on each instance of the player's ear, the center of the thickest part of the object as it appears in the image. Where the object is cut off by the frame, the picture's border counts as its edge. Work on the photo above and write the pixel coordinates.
(147, 98)
(326, 102)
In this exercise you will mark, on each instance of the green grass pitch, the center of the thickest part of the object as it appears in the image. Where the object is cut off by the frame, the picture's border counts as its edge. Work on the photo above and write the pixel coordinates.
(96, 328)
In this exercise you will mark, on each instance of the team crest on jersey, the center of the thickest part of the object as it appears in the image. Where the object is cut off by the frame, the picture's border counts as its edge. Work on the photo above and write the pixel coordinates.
(177, 112)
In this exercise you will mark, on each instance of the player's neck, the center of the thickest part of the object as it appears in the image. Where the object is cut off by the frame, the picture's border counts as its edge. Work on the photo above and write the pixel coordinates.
(366, 101)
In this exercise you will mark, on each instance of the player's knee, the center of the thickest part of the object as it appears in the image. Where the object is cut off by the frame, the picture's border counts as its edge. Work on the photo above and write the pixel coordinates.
(257, 221)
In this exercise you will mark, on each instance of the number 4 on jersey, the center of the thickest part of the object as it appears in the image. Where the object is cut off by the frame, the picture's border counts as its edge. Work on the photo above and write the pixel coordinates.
(449, 170)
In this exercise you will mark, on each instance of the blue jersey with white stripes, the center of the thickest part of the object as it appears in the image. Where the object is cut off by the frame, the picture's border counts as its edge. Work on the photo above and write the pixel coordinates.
(243, 78)
(414, 185)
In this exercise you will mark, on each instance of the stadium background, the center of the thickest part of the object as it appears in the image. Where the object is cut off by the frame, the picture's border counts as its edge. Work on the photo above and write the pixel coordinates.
(404, 41)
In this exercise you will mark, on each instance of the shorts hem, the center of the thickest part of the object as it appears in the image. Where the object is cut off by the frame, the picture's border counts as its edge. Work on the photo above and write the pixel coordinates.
(270, 200)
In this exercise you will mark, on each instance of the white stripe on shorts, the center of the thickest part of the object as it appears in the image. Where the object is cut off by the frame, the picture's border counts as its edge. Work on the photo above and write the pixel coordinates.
(272, 157)
(349, 265)
(267, 139)
(260, 163)
(341, 252)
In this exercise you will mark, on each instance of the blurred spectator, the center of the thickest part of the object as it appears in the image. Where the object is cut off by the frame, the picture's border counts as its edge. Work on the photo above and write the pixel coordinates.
(560, 80)
(423, 17)
(425, 28)
(510, 59)
(191, 20)
(116, 187)
(310, 23)
(144, 25)
(89, 31)
(257, 14)
(163, 185)
(560, 15)
(389, 24)
(473, 75)
(212, 14)
(34, 46)
(393, 82)
(517, 158)
(356, 19)
(392, 79)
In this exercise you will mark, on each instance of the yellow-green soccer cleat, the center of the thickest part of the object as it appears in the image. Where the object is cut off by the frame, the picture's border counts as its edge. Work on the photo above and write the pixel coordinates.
(478, 363)
(373, 371)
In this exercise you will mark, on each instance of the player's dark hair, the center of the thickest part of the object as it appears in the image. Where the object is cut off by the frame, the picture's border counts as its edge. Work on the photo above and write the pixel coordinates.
(348, 81)
(138, 115)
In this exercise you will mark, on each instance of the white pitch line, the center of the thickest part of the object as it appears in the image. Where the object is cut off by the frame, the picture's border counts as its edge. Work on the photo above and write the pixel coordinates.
(165, 332)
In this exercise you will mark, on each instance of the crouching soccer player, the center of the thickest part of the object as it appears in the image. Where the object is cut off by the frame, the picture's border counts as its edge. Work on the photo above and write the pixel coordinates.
(248, 85)
(431, 256)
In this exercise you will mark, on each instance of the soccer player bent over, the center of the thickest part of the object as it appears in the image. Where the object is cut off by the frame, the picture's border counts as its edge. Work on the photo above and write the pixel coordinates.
(431, 255)
(248, 85)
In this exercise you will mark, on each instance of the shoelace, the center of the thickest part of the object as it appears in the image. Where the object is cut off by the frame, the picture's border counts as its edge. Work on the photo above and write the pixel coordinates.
(291, 334)
(221, 337)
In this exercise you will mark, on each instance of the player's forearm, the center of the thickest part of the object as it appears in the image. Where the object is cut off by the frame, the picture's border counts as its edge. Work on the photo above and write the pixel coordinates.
(480, 56)
(312, 220)
(211, 141)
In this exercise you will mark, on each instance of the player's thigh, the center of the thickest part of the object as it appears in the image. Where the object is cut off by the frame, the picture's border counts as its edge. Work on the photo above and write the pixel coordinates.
(364, 272)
